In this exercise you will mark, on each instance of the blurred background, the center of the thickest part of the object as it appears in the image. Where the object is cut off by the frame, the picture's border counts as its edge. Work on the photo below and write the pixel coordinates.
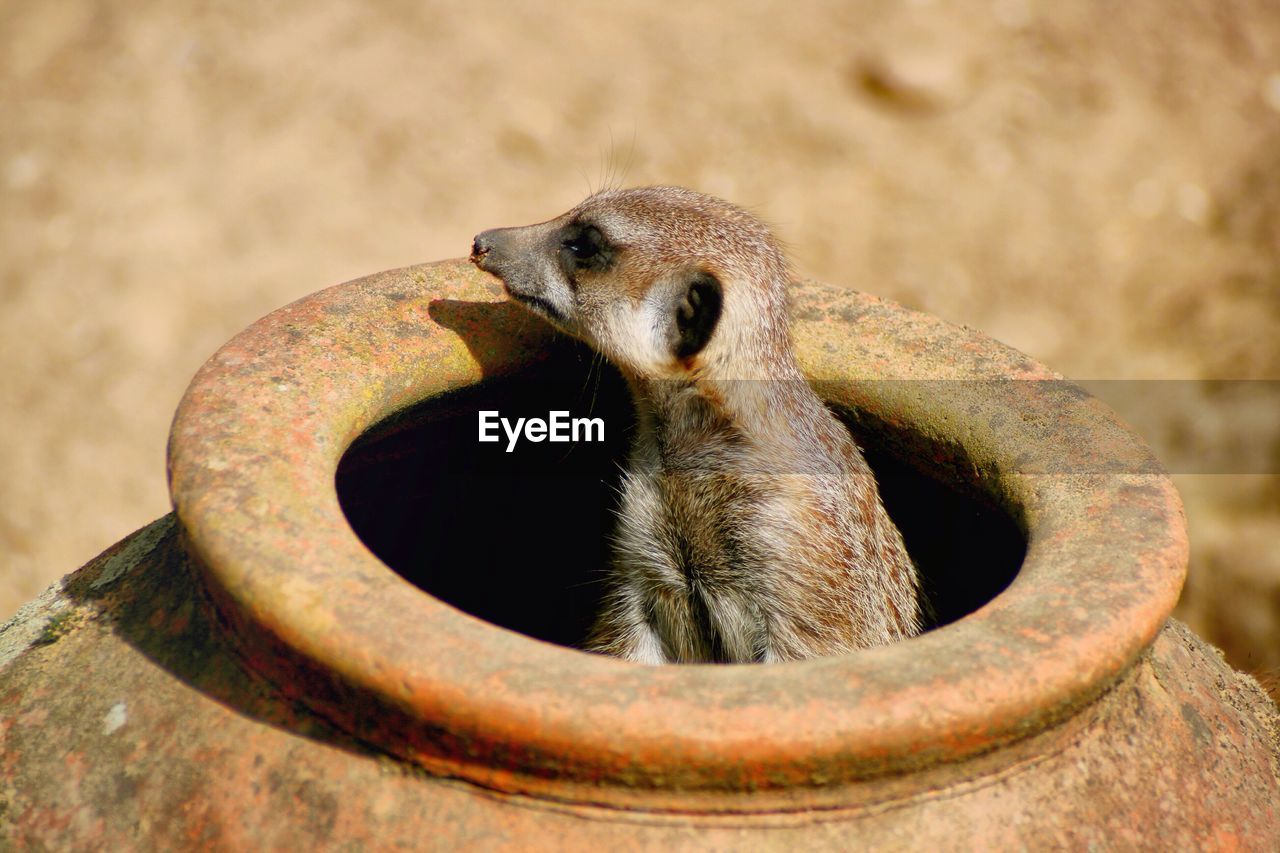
(1097, 184)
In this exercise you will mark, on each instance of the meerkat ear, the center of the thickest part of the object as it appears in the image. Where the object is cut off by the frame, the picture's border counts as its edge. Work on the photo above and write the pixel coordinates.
(697, 311)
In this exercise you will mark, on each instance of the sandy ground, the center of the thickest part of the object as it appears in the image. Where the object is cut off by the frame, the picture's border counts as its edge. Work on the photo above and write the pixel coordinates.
(1098, 185)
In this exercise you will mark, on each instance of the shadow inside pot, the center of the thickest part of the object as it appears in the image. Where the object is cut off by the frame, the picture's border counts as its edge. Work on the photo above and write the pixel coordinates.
(521, 537)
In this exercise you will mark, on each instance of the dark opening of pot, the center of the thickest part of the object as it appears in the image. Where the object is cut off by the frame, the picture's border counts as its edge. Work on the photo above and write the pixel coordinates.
(521, 537)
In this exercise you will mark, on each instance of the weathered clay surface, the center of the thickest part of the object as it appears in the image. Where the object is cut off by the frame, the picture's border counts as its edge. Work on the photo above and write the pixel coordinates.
(132, 724)
(242, 675)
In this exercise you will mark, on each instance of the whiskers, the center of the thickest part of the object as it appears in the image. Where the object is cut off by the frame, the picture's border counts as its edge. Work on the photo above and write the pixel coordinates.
(614, 166)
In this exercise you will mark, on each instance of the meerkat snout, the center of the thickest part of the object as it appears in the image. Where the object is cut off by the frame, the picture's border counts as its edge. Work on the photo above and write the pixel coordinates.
(750, 526)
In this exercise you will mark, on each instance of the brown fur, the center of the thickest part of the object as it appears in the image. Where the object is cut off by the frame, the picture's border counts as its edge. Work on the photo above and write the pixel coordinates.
(751, 528)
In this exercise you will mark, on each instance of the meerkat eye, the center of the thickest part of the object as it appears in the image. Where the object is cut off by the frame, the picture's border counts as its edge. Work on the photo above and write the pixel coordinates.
(584, 247)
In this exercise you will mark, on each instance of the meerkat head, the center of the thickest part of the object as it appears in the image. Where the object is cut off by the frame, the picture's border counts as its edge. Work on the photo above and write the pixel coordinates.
(663, 281)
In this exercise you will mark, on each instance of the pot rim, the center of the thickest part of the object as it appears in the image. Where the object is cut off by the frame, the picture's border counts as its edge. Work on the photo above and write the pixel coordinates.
(258, 436)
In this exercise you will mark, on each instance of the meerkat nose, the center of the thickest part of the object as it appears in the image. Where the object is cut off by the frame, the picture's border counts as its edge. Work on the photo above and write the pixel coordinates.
(479, 248)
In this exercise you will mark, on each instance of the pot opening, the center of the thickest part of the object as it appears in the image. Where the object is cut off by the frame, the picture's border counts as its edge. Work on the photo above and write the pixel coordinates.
(520, 538)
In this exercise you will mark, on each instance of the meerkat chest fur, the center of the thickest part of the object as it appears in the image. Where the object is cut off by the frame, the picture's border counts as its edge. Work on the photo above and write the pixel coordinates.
(750, 526)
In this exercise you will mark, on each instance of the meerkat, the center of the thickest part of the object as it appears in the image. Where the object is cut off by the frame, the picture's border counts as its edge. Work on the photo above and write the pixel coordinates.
(750, 527)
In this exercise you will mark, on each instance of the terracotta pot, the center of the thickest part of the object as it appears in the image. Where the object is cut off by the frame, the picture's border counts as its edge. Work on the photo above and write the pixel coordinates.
(247, 672)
